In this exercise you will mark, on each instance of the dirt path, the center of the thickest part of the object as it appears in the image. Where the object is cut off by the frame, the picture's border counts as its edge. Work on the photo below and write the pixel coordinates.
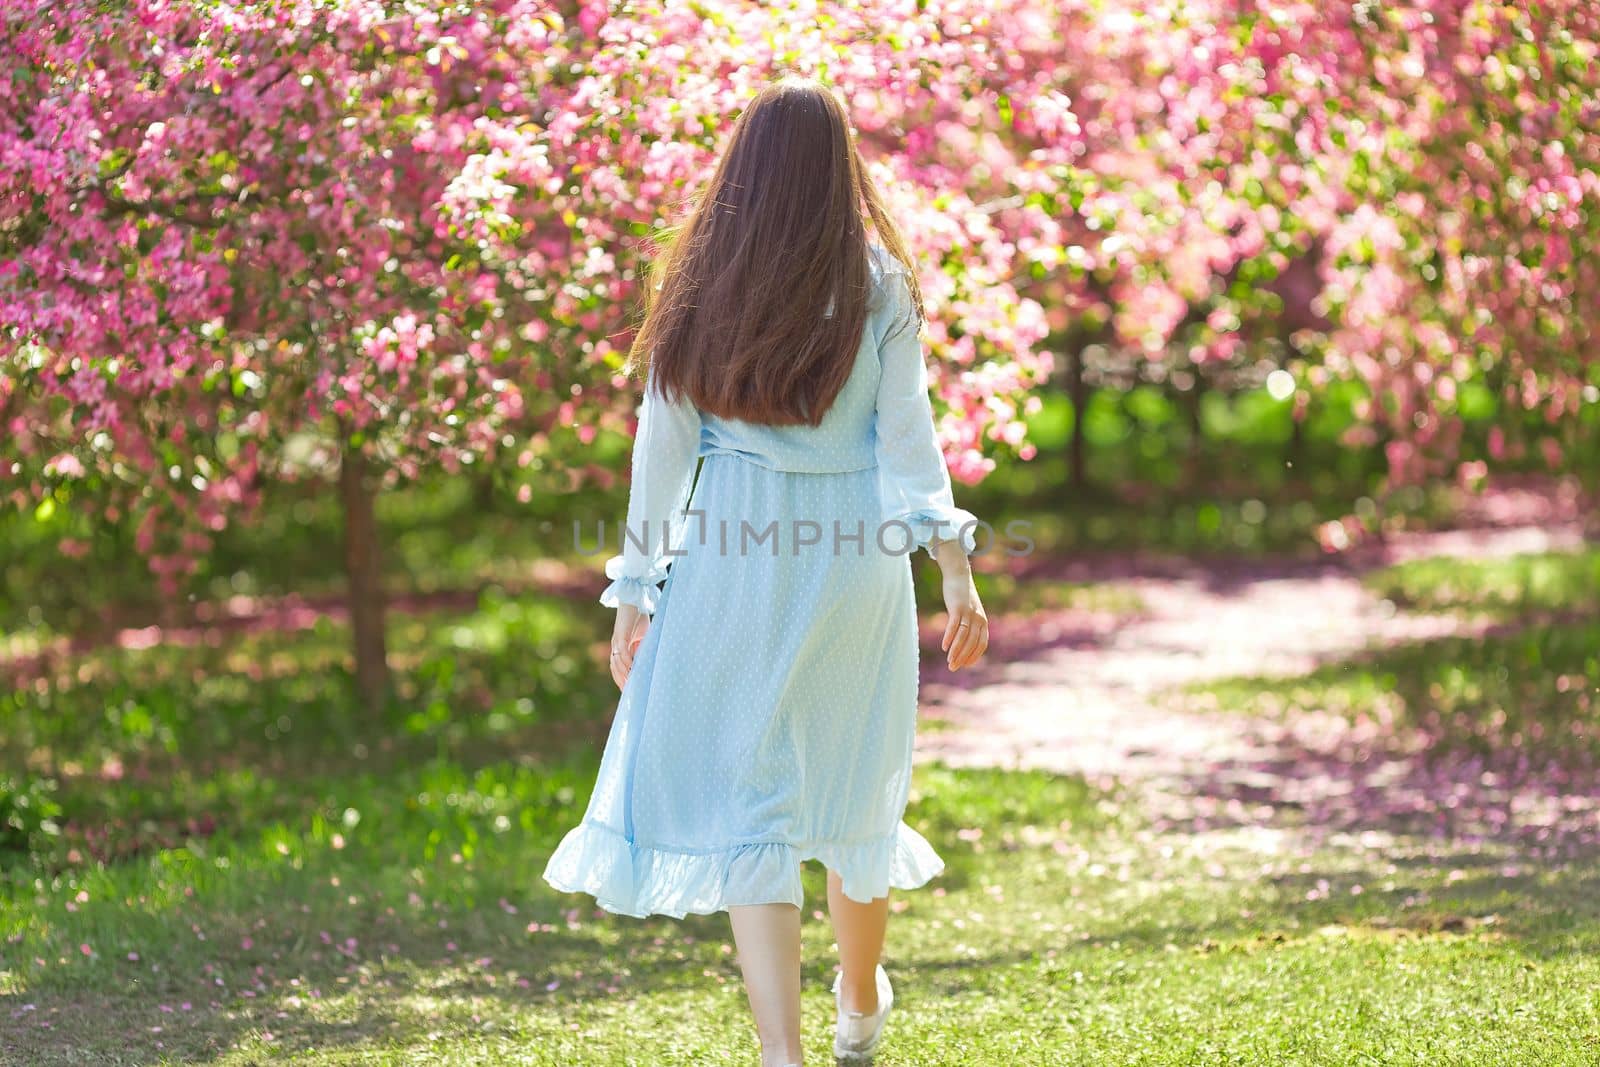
(1083, 697)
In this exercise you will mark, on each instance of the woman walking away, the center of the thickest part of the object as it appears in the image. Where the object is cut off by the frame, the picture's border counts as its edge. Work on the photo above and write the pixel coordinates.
(769, 687)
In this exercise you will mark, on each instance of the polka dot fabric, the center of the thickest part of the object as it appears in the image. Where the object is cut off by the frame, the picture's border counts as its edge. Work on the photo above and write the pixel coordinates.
(771, 711)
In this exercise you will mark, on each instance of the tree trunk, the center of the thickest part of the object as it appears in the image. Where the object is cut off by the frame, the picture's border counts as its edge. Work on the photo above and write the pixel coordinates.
(1297, 436)
(1197, 429)
(483, 490)
(365, 579)
(1079, 394)
(1194, 453)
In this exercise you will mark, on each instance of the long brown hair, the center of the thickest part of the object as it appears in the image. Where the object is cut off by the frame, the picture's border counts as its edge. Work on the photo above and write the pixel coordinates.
(737, 315)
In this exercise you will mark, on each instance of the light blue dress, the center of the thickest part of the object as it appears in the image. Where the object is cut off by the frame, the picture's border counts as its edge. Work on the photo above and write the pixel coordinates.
(771, 709)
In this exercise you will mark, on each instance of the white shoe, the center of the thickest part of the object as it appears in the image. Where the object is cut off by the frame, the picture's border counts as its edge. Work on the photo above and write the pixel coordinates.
(856, 1035)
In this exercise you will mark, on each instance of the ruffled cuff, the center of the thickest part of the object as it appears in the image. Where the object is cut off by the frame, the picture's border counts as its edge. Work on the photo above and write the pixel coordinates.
(643, 592)
(946, 524)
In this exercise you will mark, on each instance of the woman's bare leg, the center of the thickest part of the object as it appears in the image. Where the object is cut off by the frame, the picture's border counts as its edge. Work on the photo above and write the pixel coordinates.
(859, 929)
(768, 939)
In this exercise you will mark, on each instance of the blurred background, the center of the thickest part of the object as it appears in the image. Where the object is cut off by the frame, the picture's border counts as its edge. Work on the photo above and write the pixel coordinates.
(1274, 324)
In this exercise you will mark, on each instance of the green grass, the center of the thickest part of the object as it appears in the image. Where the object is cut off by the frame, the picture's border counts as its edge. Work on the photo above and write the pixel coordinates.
(1510, 587)
(151, 745)
(1005, 593)
(276, 877)
(1536, 689)
(1064, 932)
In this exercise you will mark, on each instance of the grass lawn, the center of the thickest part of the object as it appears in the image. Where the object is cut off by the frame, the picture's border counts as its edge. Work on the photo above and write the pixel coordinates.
(245, 870)
(1530, 584)
(415, 931)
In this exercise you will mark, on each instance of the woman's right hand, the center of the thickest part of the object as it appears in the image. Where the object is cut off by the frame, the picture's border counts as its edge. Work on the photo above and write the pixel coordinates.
(626, 635)
(966, 633)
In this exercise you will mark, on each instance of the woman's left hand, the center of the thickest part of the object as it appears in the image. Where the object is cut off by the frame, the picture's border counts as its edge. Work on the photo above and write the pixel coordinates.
(631, 626)
(966, 634)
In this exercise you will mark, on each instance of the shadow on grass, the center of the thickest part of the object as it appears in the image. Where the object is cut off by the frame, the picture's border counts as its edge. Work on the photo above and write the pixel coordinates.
(1493, 739)
(1542, 911)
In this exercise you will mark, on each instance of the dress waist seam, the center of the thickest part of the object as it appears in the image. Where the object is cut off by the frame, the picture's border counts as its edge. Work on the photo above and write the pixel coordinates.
(752, 459)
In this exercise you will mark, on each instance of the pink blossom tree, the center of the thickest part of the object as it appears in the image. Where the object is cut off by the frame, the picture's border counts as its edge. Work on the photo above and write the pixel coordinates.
(222, 259)
(245, 240)
(1455, 221)
(1471, 257)
(251, 240)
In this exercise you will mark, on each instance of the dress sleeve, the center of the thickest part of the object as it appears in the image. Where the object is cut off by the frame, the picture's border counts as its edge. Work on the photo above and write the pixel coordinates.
(666, 446)
(913, 481)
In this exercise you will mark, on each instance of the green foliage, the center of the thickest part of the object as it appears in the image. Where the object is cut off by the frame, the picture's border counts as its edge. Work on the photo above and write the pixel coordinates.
(29, 813)
(446, 533)
(1050, 428)
(1141, 444)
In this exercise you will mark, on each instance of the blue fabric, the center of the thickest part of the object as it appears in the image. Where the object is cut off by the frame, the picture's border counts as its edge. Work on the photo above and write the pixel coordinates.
(771, 711)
